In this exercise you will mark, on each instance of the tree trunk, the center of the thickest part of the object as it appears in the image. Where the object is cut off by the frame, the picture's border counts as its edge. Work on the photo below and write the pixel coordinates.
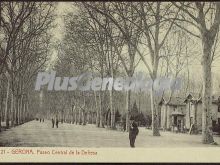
(27, 109)
(112, 125)
(83, 110)
(91, 115)
(128, 109)
(82, 117)
(79, 116)
(24, 113)
(108, 119)
(0, 116)
(3, 110)
(165, 114)
(97, 111)
(154, 109)
(12, 110)
(16, 110)
(139, 102)
(207, 91)
(75, 116)
(21, 110)
(1, 107)
(101, 123)
(195, 120)
(6, 105)
(112, 110)
(72, 114)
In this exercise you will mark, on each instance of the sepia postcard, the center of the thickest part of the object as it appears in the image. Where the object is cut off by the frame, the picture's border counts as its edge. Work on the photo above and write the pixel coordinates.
(115, 81)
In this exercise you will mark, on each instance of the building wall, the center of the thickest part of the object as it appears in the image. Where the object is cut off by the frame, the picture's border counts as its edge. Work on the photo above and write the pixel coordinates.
(170, 109)
(181, 109)
(193, 111)
(214, 113)
(199, 116)
(190, 110)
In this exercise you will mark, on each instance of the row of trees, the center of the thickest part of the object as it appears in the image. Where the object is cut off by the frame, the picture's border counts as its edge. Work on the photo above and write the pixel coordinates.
(25, 49)
(111, 38)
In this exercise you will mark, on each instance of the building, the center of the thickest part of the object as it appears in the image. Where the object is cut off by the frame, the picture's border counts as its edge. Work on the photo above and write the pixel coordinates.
(181, 113)
(194, 111)
(172, 114)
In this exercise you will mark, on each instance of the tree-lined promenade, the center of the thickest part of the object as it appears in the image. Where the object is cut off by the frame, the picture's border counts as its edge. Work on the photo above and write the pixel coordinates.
(25, 43)
(109, 39)
(68, 135)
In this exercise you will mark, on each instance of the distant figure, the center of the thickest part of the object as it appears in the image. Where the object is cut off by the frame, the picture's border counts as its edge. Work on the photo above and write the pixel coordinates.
(124, 126)
(57, 122)
(133, 132)
(40, 119)
(53, 123)
(43, 120)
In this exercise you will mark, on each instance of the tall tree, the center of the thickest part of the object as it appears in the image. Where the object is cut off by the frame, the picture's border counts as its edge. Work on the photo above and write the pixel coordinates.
(118, 14)
(204, 17)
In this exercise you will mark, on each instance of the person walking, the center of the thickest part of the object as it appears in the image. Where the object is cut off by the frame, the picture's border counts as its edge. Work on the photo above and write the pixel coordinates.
(53, 123)
(124, 126)
(57, 121)
(133, 132)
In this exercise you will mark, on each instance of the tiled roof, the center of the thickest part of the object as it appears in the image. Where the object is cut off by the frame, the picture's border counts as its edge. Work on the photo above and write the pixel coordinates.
(173, 101)
(176, 101)
(194, 97)
(198, 98)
